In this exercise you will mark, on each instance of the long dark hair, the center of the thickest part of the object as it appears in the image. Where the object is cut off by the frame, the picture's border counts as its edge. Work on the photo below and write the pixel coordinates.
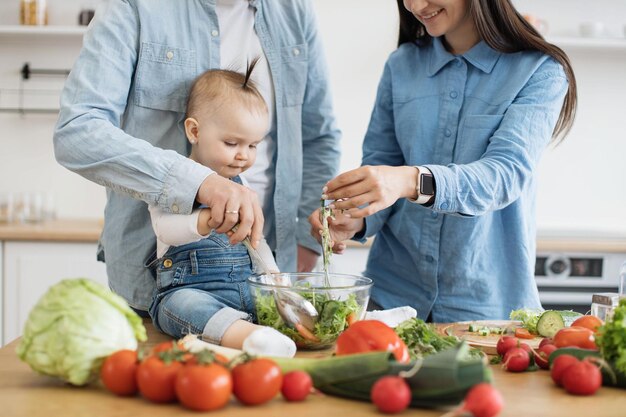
(506, 31)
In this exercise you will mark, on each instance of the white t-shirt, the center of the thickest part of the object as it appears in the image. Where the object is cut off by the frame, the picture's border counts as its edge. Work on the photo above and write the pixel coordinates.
(239, 44)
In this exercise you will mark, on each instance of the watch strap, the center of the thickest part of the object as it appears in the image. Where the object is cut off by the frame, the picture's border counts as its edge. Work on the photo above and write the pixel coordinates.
(423, 175)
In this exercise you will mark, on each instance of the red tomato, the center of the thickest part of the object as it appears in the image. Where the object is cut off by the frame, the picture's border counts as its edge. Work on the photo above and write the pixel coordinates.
(256, 381)
(523, 333)
(297, 385)
(156, 379)
(391, 394)
(166, 347)
(575, 336)
(371, 335)
(589, 322)
(118, 372)
(204, 387)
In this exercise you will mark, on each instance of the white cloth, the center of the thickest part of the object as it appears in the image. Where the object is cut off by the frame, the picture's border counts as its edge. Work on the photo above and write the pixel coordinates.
(392, 317)
(267, 341)
(239, 44)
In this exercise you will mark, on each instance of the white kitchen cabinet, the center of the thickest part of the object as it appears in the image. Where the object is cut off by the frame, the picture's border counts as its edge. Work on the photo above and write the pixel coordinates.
(30, 268)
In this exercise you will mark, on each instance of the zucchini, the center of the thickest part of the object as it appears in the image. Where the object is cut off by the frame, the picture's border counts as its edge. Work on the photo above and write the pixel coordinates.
(607, 379)
(442, 380)
(549, 323)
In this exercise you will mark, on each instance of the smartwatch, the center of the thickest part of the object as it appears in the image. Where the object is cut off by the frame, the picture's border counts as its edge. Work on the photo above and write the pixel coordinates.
(425, 185)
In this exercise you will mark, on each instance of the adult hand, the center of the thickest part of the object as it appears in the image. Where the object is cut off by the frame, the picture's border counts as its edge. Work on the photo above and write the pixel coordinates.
(232, 204)
(341, 228)
(307, 259)
(377, 187)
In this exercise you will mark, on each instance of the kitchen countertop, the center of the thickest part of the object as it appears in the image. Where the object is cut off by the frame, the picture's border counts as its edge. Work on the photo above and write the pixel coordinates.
(72, 230)
(60, 230)
(24, 393)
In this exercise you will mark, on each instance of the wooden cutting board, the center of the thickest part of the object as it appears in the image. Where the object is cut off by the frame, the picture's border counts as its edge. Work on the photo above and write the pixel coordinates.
(487, 343)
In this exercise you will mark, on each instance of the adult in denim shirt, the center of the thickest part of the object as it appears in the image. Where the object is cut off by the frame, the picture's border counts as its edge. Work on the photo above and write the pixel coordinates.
(472, 96)
(121, 125)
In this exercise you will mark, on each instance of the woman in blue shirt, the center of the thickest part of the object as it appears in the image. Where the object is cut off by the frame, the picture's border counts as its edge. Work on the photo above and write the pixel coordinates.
(465, 107)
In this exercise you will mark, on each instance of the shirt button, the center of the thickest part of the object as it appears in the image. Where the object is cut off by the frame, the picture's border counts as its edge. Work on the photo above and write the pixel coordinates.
(167, 263)
(447, 132)
(444, 206)
(169, 55)
(296, 51)
(214, 33)
(429, 258)
(174, 208)
(457, 62)
(454, 94)
(434, 214)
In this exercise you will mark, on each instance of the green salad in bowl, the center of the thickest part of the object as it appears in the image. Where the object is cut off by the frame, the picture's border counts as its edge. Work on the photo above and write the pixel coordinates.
(338, 300)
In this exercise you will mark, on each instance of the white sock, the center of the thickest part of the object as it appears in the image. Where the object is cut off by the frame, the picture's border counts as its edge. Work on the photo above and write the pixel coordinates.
(393, 316)
(267, 341)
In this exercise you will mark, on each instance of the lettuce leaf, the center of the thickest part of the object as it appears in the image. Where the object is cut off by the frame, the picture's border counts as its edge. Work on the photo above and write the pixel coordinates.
(611, 338)
(74, 327)
(332, 317)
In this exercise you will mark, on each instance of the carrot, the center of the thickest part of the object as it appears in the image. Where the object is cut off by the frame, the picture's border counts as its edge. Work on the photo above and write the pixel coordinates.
(306, 333)
(350, 319)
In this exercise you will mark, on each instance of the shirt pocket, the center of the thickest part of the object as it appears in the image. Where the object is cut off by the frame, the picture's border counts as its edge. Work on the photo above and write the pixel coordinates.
(294, 69)
(164, 76)
(474, 136)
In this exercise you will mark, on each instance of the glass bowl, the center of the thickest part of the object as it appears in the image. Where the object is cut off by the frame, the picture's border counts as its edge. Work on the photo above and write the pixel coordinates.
(337, 305)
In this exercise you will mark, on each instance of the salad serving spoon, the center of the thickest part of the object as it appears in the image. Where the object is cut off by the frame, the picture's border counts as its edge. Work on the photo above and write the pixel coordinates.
(292, 307)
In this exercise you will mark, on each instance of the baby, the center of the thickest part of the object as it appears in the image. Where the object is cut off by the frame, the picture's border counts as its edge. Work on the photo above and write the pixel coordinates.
(200, 277)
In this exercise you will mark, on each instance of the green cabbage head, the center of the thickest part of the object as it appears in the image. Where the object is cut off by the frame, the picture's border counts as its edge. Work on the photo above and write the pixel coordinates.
(74, 327)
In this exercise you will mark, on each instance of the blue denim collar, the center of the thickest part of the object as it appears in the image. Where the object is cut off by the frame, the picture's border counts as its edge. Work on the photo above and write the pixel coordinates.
(481, 55)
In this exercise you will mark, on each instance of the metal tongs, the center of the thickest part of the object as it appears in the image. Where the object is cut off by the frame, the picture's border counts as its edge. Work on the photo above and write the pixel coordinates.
(292, 307)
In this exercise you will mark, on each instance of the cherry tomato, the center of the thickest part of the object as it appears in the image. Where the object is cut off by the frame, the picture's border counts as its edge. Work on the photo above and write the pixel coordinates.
(297, 385)
(589, 322)
(256, 381)
(203, 387)
(166, 347)
(118, 372)
(156, 379)
(391, 394)
(575, 336)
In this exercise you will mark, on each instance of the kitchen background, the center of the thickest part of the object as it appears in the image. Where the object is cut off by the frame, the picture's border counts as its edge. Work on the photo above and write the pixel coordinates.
(582, 182)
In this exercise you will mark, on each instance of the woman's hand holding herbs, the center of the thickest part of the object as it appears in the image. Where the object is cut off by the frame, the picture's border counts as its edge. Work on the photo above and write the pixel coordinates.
(341, 228)
(369, 189)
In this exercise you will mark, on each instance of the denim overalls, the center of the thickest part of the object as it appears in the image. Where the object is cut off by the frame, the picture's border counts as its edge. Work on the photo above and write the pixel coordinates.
(201, 288)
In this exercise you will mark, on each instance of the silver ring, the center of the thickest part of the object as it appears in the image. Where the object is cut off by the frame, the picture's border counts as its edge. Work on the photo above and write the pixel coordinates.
(232, 212)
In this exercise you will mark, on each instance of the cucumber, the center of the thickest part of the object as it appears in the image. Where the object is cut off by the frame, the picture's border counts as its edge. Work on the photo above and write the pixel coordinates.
(549, 323)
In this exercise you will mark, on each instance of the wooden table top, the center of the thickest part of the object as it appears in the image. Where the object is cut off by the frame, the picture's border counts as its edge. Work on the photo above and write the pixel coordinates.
(24, 393)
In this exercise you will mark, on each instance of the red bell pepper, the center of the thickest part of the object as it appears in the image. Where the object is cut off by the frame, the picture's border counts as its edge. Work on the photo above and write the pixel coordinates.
(371, 335)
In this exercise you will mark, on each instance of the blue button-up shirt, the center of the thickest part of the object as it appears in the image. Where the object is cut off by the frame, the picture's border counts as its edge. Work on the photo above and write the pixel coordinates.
(479, 121)
(122, 111)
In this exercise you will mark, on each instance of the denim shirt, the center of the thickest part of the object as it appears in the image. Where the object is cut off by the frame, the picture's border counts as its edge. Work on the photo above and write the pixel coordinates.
(480, 122)
(122, 112)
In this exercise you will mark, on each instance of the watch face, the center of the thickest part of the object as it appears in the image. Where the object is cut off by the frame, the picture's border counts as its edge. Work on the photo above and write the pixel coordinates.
(426, 185)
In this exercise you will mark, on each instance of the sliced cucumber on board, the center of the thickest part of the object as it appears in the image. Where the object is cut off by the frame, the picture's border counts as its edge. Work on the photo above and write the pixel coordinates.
(549, 323)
